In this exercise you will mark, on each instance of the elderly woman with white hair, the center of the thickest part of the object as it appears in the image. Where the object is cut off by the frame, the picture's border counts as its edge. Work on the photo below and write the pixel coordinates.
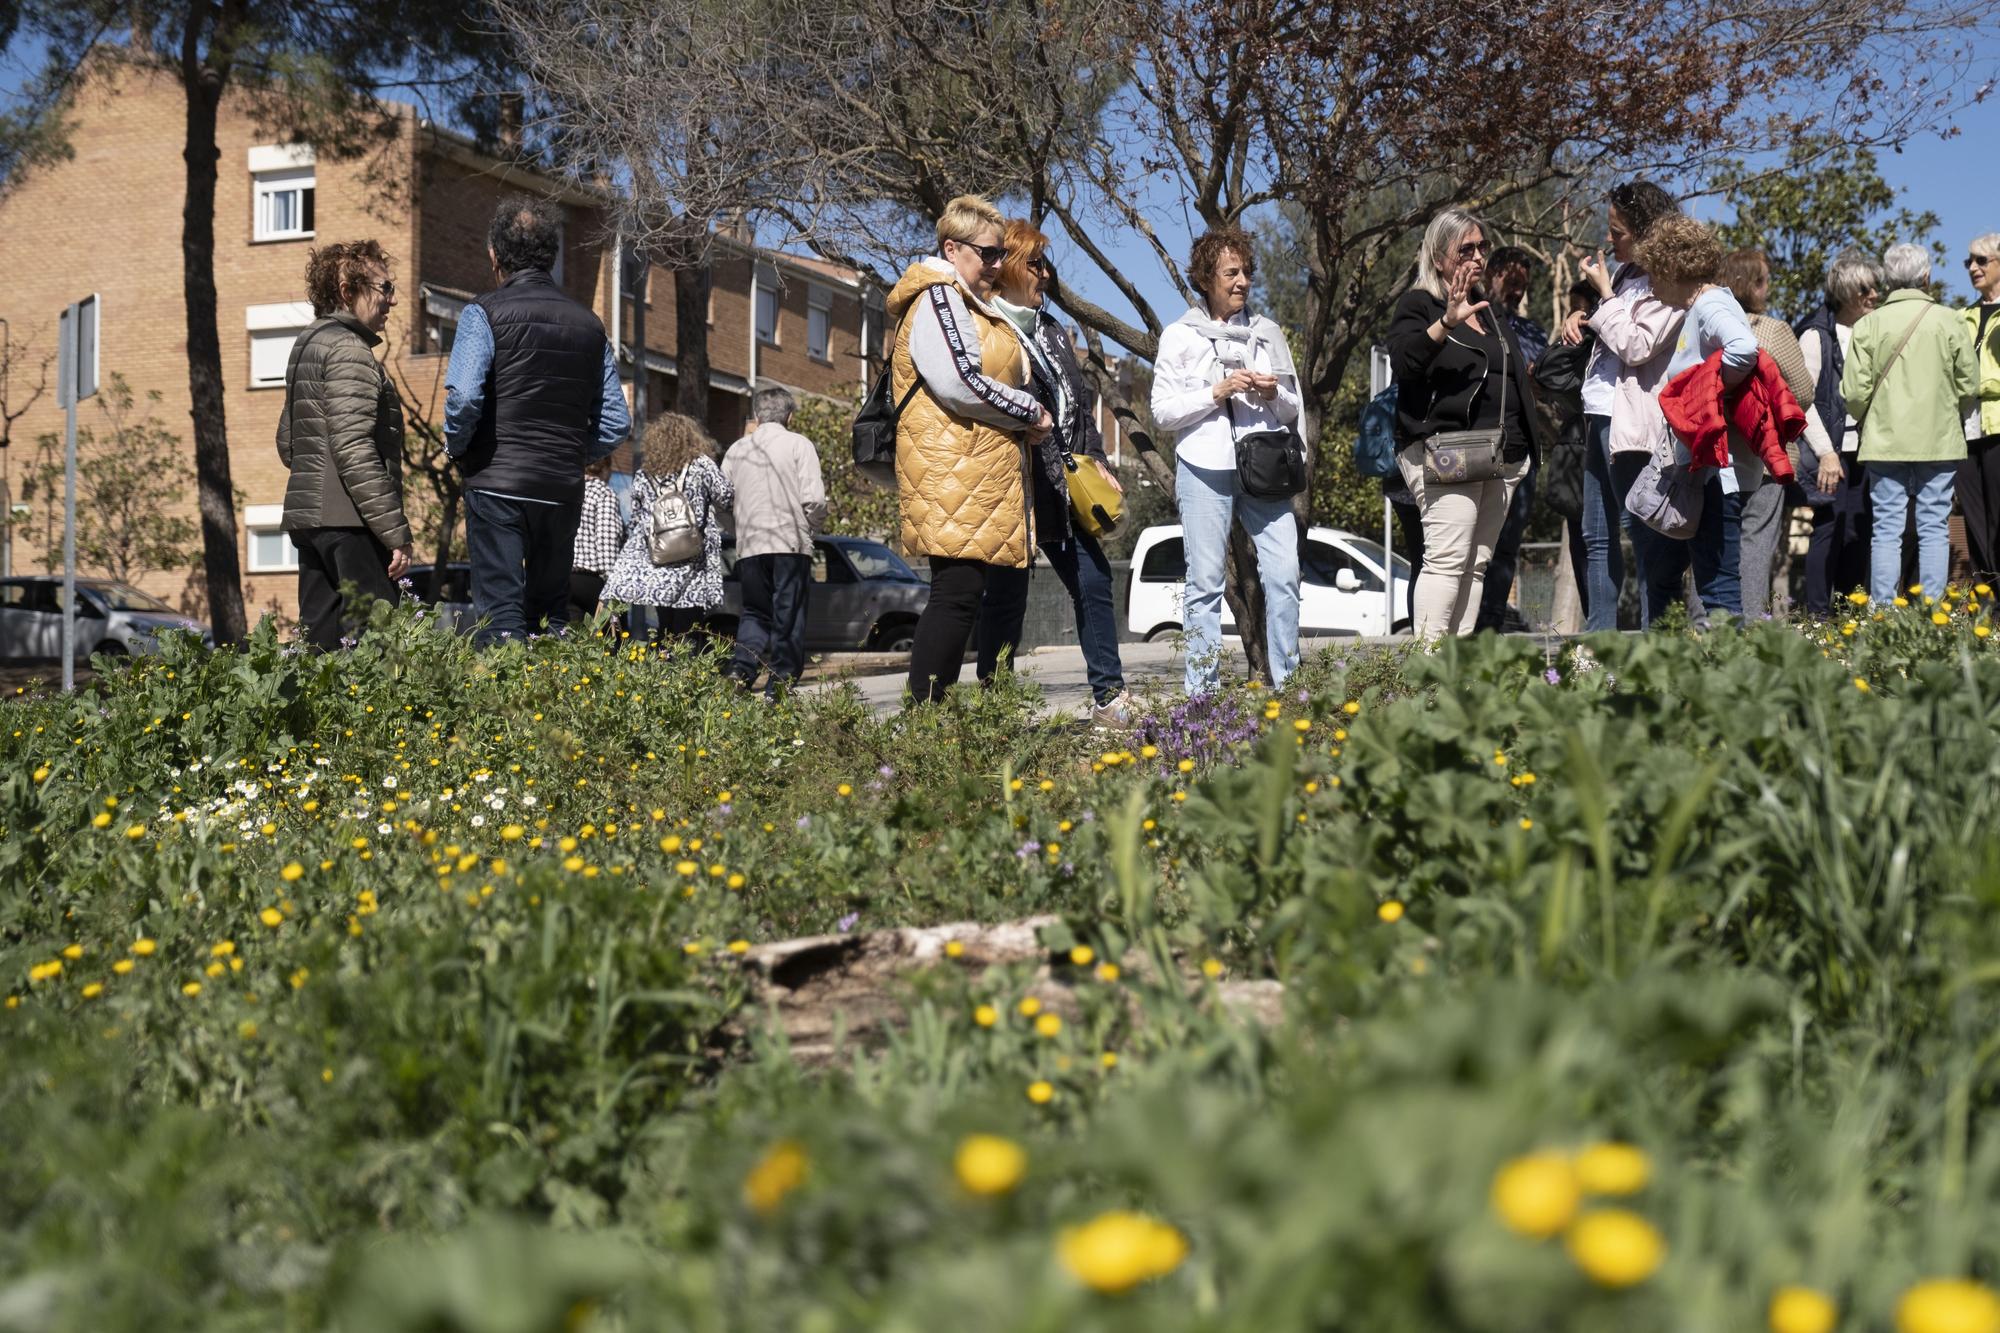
(1979, 475)
(1909, 379)
(1465, 419)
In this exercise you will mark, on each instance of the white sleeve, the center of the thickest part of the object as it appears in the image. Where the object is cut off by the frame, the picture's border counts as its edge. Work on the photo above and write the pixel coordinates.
(944, 348)
(1180, 399)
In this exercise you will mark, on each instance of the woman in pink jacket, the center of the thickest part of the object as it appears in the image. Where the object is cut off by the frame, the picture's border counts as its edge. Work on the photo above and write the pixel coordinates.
(1635, 337)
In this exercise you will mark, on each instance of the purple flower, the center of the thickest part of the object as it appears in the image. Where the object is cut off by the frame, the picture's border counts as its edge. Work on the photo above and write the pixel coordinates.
(805, 822)
(722, 811)
(886, 771)
(1552, 676)
(1027, 849)
(846, 923)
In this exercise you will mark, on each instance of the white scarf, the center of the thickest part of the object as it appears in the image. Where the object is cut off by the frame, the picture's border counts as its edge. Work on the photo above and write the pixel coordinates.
(1259, 331)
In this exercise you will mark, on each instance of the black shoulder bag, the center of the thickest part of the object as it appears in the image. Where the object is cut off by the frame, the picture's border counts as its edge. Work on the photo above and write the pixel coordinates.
(1270, 464)
(1463, 457)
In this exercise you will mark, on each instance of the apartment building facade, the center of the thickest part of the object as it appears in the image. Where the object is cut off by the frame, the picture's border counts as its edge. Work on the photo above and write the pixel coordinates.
(109, 221)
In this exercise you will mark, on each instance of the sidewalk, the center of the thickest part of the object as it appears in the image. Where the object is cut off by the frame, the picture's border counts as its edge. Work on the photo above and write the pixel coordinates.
(1155, 667)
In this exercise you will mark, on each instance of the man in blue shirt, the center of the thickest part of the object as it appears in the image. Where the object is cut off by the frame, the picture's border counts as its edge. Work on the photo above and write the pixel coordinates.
(531, 398)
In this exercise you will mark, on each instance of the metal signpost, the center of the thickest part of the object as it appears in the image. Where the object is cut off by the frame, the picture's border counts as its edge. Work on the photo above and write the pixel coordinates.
(76, 380)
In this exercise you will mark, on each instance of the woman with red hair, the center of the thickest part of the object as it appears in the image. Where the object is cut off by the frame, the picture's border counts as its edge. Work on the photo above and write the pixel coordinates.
(1074, 555)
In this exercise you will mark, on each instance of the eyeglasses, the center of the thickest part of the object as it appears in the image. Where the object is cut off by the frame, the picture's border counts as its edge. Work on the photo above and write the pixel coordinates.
(1470, 249)
(387, 286)
(989, 255)
(1978, 261)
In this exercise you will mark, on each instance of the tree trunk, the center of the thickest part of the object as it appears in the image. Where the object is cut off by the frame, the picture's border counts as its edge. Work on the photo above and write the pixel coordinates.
(1244, 592)
(691, 284)
(223, 571)
(447, 522)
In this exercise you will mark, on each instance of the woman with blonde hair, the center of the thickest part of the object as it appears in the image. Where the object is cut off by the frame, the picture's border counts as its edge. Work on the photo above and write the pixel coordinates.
(1458, 369)
(1979, 475)
(961, 372)
(680, 459)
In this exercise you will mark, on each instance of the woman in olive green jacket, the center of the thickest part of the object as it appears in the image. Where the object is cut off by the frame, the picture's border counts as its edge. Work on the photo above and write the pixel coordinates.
(1979, 475)
(341, 435)
(1908, 380)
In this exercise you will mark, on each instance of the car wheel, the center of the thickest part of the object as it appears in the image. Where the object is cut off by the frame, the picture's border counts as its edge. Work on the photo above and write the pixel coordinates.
(1159, 632)
(899, 638)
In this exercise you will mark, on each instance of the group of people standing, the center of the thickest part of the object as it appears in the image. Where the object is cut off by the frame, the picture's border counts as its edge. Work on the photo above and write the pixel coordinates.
(1703, 419)
(996, 411)
(533, 411)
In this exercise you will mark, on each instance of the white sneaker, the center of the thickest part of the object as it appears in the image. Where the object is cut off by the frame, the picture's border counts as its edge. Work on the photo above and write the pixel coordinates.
(1115, 715)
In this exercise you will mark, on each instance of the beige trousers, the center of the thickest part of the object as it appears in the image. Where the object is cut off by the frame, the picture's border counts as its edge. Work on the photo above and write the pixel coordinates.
(1461, 523)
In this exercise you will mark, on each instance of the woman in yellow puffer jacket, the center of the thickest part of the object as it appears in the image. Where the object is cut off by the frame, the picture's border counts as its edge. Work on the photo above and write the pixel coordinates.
(961, 468)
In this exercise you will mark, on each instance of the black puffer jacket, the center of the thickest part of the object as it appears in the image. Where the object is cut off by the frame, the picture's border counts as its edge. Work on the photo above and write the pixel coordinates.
(341, 434)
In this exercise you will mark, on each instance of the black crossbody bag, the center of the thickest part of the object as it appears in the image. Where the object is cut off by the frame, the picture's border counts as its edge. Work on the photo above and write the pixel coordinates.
(1270, 464)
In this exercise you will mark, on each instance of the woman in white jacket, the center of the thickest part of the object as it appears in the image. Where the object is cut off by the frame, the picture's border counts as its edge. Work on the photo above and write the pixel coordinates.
(1220, 373)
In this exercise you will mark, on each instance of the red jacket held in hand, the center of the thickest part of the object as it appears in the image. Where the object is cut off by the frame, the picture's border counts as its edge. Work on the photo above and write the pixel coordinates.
(1761, 410)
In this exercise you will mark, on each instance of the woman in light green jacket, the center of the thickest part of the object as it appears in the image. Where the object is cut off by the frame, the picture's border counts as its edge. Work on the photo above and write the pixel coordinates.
(1908, 381)
(1979, 475)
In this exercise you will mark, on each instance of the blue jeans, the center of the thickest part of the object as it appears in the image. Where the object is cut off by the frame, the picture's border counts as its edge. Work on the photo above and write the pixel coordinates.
(1712, 551)
(771, 633)
(1208, 499)
(1891, 486)
(1603, 511)
(1086, 575)
(520, 553)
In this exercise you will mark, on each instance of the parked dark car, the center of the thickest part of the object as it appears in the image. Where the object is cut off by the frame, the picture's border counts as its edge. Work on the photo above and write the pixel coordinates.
(863, 596)
(112, 618)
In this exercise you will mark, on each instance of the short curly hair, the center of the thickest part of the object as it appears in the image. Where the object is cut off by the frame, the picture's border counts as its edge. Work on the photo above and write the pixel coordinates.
(1212, 246)
(673, 441)
(527, 233)
(1680, 250)
(335, 272)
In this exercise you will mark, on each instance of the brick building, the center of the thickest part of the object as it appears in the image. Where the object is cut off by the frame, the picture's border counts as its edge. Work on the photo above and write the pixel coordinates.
(109, 221)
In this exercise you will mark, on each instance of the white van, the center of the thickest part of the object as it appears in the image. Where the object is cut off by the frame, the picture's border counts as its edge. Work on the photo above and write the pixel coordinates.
(1340, 591)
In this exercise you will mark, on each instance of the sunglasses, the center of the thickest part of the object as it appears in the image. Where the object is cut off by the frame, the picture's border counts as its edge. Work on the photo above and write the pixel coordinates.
(1481, 248)
(1040, 264)
(387, 286)
(989, 255)
(1978, 261)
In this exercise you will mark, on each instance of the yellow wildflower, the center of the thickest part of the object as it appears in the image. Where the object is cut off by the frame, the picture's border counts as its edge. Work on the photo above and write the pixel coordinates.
(988, 1165)
(1536, 1195)
(1116, 1251)
(777, 1173)
(1616, 1248)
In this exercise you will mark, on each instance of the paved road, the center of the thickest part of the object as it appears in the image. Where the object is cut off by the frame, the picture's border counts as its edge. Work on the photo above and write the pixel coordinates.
(1150, 668)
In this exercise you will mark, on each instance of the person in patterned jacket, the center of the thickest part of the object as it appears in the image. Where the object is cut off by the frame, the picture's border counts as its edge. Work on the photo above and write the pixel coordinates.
(599, 534)
(678, 452)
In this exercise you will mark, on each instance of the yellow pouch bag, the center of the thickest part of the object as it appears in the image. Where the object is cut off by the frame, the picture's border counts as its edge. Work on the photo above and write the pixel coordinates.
(1094, 502)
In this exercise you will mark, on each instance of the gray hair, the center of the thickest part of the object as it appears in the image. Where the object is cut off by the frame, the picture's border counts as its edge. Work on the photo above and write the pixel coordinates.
(1440, 248)
(773, 405)
(1850, 277)
(1989, 243)
(1907, 266)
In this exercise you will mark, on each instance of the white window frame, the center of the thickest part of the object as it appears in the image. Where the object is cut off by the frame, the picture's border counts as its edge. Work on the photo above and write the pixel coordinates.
(267, 326)
(439, 310)
(267, 520)
(819, 309)
(277, 169)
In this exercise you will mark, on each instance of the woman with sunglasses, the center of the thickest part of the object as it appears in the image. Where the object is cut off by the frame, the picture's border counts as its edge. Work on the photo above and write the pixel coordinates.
(1072, 553)
(1457, 367)
(961, 373)
(1979, 474)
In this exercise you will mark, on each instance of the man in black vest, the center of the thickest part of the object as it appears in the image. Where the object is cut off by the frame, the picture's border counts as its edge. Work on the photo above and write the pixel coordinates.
(531, 397)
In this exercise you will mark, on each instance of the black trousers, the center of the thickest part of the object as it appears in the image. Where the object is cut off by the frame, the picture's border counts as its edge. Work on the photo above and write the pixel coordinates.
(342, 571)
(946, 625)
(520, 552)
(585, 588)
(1506, 556)
(771, 633)
(1979, 497)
